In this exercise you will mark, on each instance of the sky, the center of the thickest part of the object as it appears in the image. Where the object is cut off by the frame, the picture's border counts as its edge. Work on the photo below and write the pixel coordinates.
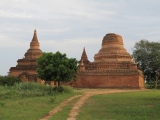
(70, 25)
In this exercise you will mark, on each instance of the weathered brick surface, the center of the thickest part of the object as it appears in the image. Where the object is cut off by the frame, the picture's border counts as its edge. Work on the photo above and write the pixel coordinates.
(113, 67)
(26, 67)
(126, 81)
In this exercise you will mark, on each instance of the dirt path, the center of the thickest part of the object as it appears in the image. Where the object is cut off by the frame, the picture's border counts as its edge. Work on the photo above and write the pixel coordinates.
(56, 109)
(76, 108)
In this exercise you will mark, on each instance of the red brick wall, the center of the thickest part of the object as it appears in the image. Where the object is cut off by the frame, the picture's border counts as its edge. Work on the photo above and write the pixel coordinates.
(121, 81)
(16, 73)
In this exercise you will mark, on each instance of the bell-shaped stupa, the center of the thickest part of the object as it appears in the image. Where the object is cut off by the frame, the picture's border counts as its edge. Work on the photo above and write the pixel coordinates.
(113, 67)
(112, 49)
(26, 67)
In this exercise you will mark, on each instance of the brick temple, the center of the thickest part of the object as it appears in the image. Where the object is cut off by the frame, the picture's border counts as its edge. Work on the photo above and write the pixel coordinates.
(26, 67)
(113, 67)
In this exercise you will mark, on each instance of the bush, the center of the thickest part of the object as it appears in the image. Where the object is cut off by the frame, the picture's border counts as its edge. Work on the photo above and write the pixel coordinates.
(152, 85)
(63, 89)
(32, 90)
(8, 80)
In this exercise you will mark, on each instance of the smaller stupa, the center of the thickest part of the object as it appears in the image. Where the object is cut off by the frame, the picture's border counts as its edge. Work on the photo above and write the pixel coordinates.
(26, 67)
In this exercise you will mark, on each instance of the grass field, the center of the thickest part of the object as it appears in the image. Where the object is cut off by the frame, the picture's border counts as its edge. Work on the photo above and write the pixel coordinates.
(32, 101)
(29, 101)
(143, 105)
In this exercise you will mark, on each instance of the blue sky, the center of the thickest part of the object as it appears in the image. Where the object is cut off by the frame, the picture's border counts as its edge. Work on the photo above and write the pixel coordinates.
(70, 25)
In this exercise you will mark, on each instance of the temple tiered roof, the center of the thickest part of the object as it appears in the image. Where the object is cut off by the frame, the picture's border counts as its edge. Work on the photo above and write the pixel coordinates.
(28, 64)
(33, 52)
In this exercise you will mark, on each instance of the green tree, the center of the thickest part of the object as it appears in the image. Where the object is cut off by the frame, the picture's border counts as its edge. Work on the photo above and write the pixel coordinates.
(9, 80)
(56, 67)
(147, 55)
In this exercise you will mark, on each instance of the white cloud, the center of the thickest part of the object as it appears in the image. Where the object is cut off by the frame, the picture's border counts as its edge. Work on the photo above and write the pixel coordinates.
(55, 31)
(14, 15)
(8, 42)
(70, 25)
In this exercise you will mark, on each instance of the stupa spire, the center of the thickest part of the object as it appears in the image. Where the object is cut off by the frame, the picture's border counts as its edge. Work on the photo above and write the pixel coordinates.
(34, 50)
(84, 57)
(35, 35)
(34, 43)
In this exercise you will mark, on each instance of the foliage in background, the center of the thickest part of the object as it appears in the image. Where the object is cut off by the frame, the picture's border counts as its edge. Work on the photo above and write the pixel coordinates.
(147, 55)
(56, 67)
(8, 80)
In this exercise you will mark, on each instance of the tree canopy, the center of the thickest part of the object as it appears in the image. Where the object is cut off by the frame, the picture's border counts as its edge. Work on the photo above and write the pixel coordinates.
(147, 55)
(56, 67)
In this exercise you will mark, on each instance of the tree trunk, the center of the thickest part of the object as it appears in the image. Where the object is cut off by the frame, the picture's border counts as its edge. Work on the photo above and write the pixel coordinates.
(157, 77)
(156, 84)
(59, 84)
(150, 84)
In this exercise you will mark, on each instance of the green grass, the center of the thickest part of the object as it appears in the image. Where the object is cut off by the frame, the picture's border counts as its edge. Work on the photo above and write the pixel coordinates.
(30, 101)
(29, 108)
(143, 105)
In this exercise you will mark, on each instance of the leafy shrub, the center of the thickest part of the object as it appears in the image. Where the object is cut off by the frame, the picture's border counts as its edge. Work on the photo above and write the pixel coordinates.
(31, 90)
(63, 89)
(8, 80)
(152, 85)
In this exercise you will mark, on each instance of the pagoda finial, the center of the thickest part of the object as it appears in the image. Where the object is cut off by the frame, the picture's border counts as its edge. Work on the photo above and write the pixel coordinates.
(84, 50)
(35, 34)
(84, 56)
(34, 43)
